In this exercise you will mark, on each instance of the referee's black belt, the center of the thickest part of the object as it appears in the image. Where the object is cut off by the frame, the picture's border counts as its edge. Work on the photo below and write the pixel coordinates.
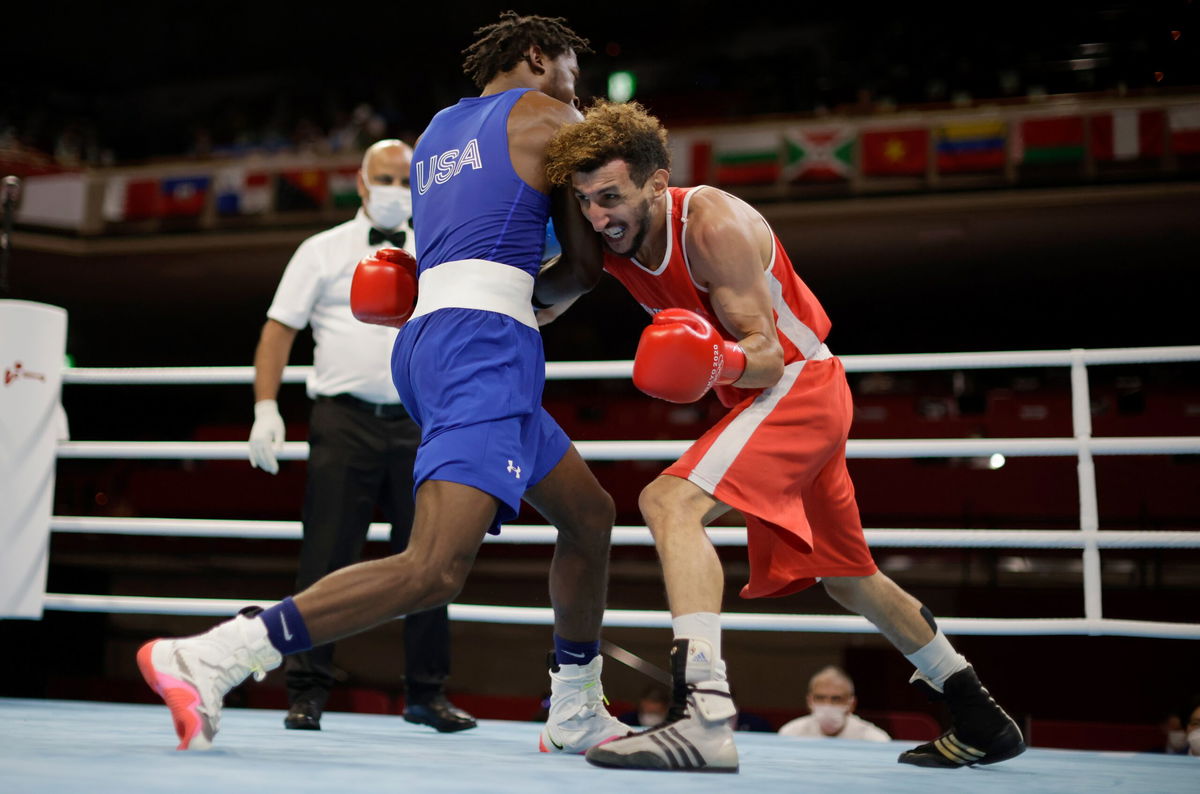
(381, 410)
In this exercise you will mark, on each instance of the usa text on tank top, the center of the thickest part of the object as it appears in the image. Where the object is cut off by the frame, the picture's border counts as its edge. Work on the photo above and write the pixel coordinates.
(800, 321)
(468, 201)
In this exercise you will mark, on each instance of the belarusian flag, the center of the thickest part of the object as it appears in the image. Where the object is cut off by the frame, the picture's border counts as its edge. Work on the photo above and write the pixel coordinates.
(747, 158)
(1043, 141)
(895, 152)
(1185, 129)
(343, 187)
(819, 155)
(1127, 134)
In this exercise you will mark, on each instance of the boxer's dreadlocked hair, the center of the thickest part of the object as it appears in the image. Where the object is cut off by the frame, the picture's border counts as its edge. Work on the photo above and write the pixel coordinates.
(503, 44)
(609, 131)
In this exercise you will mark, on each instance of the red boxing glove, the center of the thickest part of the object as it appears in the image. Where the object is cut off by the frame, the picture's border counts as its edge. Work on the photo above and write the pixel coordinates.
(681, 355)
(384, 288)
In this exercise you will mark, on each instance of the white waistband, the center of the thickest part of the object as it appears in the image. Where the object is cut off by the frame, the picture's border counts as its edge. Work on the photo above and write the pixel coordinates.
(477, 284)
(820, 353)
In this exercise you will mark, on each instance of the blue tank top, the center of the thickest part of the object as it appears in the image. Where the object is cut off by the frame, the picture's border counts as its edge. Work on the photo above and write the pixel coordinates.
(468, 201)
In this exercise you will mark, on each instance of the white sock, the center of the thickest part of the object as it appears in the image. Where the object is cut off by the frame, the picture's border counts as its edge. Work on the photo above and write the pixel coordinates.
(937, 660)
(702, 626)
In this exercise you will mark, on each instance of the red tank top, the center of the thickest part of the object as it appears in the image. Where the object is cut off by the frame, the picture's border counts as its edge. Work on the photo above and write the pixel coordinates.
(801, 323)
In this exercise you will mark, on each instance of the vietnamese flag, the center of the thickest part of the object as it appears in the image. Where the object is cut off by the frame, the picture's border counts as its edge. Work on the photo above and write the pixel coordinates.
(895, 152)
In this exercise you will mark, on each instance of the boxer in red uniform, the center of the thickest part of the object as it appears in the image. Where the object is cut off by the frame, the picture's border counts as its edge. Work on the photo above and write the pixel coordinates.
(730, 314)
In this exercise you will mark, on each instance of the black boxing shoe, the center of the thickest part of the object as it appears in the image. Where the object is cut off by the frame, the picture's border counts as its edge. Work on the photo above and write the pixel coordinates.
(303, 715)
(980, 731)
(439, 713)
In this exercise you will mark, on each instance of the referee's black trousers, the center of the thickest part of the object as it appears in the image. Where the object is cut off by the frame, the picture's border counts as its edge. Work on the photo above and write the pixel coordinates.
(358, 460)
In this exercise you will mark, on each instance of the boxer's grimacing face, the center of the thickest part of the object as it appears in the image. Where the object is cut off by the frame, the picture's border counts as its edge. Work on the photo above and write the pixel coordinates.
(616, 207)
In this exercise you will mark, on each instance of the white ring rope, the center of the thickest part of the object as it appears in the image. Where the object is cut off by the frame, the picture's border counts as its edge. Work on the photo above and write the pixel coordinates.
(545, 534)
(1083, 445)
(587, 370)
(670, 450)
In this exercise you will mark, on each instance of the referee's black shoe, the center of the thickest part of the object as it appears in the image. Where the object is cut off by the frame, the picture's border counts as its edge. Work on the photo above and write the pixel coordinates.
(437, 712)
(303, 715)
(980, 731)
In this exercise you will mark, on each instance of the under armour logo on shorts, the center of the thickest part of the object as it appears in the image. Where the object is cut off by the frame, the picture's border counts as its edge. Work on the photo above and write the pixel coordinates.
(515, 470)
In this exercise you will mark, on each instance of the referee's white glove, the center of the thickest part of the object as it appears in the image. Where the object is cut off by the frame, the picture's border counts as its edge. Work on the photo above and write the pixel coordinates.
(266, 436)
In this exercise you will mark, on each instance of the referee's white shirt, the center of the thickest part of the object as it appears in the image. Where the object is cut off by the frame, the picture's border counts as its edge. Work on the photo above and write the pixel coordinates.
(349, 356)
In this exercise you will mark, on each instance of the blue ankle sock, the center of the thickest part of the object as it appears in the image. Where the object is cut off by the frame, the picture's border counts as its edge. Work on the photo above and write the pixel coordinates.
(286, 628)
(568, 652)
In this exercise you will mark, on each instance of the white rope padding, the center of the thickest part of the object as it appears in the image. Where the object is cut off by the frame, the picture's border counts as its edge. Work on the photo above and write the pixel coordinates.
(631, 618)
(544, 534)
(586, 370)
(670, 450)
(1089, 538)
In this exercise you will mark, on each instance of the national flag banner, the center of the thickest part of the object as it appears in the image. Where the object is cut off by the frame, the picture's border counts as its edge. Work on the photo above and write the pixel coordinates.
(898, 152)
(971, 146)
(1128, 134)
(1185, 129)
(747, 158)
(819, 154)
(302, 190)
(700, 162)
(1049, 140)
(343, 187)
(684, 149)
(184, 196)
(143, 200)
(242, 192)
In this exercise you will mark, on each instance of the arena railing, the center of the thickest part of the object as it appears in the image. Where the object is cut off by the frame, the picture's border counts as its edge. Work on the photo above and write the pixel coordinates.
(1089, 538)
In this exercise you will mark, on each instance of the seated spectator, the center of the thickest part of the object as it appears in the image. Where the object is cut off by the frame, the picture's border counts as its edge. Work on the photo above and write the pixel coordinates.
(651, 709)
(1182, 729)
(831, 702)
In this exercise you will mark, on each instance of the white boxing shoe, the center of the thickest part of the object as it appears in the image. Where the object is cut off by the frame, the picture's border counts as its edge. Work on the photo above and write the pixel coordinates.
(696, 736)
(192, 674)
(578, 718)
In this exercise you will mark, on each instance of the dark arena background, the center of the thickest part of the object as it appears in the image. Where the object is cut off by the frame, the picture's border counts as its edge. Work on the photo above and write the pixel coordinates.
(1009, 177)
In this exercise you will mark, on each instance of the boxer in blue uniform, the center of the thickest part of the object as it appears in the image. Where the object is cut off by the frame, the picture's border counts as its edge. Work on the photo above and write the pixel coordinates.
(470, 368)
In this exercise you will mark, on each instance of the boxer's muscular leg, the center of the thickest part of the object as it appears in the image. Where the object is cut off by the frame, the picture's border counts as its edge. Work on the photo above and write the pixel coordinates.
(448, 526)
(677, 511)
(880, 600)
(572, 499)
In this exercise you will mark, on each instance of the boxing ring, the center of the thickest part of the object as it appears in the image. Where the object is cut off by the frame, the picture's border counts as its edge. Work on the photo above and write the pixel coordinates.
(62, 745)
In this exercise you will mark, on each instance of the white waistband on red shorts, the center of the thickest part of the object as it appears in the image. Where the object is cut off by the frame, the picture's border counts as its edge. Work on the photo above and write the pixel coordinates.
(477, 284)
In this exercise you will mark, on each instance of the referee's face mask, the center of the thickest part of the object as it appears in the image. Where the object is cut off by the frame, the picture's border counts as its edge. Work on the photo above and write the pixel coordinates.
(388, 206)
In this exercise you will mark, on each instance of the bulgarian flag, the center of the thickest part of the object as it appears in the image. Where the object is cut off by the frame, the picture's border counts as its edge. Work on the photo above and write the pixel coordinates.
(1045, 141)
(895, 152)
(747, 158)
(1185, 129)
(1128, 135)
(819, 155)
(343, 187)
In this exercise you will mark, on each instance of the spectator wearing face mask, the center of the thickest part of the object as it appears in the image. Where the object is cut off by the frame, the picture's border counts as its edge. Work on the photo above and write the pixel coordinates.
(831, 702)
(1183, 730)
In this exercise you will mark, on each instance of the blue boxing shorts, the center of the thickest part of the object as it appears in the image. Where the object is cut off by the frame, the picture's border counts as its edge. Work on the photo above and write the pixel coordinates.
(473, 381)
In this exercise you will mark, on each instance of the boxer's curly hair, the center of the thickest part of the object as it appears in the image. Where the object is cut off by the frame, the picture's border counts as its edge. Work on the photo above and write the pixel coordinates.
(609, 131)
(501, 45)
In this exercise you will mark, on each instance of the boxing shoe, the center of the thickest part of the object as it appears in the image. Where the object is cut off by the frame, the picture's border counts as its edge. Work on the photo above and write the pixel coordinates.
(578, 717)
(696, 736)
(980, 731)
(193, 674)
(436, 711)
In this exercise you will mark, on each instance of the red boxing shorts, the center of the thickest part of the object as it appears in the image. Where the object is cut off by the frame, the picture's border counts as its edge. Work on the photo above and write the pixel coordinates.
(780, 458)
